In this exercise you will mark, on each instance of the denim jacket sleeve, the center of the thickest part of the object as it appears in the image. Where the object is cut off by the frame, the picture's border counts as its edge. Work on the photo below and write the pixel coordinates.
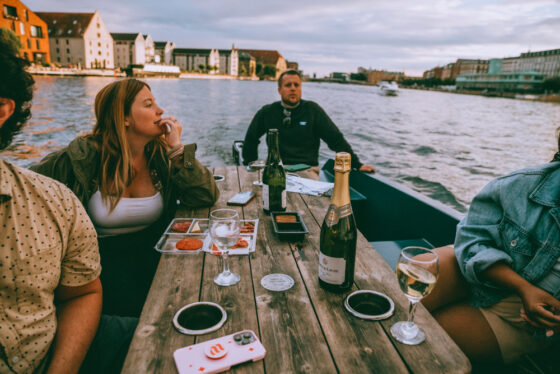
(478, 240)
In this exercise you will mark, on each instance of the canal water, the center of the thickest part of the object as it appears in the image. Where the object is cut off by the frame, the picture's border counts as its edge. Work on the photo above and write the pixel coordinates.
(446, 146)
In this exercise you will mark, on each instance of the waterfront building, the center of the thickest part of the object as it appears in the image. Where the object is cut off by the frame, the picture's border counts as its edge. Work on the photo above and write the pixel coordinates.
(29, 28)
(228, 62)
(376, 76)
(247, 64)
(129, 49)
(547, 62)
(164, 52)
(469, 66)
(292, 65)
(79, 39)
(199, 60)
(527, 82)
(435, 73)
(149, 48)
(269, 57)
(447, 71)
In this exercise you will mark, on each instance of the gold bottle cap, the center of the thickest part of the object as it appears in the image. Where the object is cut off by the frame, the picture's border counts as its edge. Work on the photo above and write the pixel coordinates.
(342, 162)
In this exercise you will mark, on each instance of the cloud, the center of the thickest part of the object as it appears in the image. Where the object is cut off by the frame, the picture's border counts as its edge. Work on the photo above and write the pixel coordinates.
(328, 35)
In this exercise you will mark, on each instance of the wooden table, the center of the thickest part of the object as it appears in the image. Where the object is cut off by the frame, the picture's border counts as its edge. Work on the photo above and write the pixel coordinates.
(304, 329)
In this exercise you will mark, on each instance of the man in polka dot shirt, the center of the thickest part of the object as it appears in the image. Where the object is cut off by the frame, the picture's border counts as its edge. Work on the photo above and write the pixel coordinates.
(50, 293)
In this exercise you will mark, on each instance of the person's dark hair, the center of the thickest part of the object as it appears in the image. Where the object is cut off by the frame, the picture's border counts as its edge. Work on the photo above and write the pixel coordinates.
(15, 84)
(287, 72)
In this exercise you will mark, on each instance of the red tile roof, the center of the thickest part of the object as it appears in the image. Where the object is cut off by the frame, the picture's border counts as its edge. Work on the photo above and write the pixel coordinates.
(264, 55)
(66, 25)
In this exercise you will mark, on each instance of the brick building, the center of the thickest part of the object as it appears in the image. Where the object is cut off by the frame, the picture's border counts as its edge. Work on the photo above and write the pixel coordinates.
(29, 28)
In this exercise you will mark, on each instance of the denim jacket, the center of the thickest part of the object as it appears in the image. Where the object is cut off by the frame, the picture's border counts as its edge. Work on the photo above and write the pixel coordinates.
(515, 219)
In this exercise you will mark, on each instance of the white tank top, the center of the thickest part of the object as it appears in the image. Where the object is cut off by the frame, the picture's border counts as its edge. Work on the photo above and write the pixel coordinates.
(130, 215)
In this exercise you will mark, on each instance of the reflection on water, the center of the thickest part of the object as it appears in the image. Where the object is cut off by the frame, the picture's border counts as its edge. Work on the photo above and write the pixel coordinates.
(443, 145)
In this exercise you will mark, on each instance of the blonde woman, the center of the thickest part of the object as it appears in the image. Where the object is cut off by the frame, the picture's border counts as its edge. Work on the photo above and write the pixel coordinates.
(129, 174)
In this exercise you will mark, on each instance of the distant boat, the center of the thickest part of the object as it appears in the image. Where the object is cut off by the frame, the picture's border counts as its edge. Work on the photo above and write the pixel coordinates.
(388, 88)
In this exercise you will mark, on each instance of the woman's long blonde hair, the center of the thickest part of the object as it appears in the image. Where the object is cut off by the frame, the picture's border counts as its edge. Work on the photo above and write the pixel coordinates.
(112, 106)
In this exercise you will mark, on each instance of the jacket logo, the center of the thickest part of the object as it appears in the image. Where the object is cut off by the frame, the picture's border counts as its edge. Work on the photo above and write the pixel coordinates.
(303, 123)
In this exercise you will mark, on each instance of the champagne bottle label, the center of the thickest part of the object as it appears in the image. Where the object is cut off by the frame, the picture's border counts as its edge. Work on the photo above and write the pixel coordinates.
(334, 214)
(266, 200)
(331, 269)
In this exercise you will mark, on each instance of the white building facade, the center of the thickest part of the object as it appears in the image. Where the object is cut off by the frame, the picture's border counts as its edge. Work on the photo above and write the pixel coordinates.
(129, 49)
(79, 39)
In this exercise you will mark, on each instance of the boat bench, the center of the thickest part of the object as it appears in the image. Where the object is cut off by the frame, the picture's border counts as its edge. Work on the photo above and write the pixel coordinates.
(390, 249)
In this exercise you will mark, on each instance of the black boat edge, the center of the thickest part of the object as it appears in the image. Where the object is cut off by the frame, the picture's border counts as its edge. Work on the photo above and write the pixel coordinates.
(390, 215)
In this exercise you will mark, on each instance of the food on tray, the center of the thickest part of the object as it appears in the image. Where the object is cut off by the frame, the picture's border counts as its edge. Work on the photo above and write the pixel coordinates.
(196, 228)
(241, 243)
(247, 228)
(181, 226)
(288, 218)
(189, 244)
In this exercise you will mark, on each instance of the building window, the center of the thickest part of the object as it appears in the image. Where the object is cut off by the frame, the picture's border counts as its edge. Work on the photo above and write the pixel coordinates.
(56, 41)
(68, 59)
(67, 50)
(98, 25)
(90, 43)
(36, 31)
(38, 43)
(10, 12)
(26, 15)
(13, 26)
(58, 50)
(67, 42)
(22, 28)
(98, 35)
(99, 53)
(99, 44)
(58, 59)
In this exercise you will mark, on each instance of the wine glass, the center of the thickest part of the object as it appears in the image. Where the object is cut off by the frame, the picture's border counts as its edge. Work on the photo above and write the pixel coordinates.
(417, 272)
(258, 165)
(224, 228)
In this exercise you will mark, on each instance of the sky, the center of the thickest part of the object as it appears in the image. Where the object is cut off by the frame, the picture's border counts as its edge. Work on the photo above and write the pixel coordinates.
(324, 36)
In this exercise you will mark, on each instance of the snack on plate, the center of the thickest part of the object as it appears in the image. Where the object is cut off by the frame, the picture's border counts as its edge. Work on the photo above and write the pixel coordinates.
(189, 244)
(240, 244)
(286, 218)
(196, 228)
(181, 226)
(247, 228)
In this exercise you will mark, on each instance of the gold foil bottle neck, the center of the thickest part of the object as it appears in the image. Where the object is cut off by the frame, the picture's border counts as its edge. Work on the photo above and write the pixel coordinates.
(342, 162)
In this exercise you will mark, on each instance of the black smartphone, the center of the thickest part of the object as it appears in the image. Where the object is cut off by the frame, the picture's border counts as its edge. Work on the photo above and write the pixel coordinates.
(241, 198)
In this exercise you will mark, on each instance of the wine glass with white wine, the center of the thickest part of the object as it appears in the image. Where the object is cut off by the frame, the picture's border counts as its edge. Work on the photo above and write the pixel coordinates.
(224, 228)
(258, 165)
(417, 272)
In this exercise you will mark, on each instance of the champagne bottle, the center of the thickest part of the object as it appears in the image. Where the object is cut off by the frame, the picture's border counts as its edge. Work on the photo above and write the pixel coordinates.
(274, 178)
(338, 233)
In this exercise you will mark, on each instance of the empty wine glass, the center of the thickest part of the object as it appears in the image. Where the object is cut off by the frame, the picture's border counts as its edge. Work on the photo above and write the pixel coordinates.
(224, 228)
(257, 165)
(417, 272)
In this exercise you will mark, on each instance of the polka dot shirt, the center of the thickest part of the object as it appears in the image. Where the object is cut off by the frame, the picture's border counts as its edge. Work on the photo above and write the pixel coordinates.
(46, 240)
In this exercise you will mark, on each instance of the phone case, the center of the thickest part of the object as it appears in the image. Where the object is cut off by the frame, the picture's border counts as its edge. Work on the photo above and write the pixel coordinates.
(241, 198)
(220, 354)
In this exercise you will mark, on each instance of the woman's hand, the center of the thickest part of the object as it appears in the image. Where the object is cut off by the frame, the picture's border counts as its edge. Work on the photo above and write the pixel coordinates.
(540, 309)
(171, 129)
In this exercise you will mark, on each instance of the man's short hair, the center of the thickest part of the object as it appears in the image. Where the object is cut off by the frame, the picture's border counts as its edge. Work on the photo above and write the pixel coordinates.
(15, 84)
(287, 72)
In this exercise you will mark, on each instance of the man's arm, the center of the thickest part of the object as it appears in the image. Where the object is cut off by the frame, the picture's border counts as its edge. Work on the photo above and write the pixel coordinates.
(254, 132)
(78, 312)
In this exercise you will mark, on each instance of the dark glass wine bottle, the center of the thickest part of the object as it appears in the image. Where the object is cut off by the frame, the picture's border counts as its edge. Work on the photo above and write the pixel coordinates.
(274, 178)
(338, 233)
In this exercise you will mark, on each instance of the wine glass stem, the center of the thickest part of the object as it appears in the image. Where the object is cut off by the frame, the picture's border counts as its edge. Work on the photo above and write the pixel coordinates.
(225, 262)
(411, 311)
(259, 175)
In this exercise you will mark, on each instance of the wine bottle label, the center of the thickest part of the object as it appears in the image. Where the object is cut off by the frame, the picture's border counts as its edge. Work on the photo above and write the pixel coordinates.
(266, 200)
(334, 214)
(332, 269)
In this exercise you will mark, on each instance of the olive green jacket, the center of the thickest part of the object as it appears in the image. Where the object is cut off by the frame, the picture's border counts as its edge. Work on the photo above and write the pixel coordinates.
(78, 166)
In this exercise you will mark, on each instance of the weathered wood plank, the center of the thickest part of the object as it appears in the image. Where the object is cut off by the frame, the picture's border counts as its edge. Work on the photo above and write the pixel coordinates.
(238, 300)
(289, 328)
(438, 353)
(358, 346)
(176, 283)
